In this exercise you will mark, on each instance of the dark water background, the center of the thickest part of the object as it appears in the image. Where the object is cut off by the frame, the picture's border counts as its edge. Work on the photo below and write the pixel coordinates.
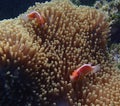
(12, 8)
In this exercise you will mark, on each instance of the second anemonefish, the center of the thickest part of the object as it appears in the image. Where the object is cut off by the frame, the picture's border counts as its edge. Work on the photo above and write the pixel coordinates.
(33, 15)
(83, 71)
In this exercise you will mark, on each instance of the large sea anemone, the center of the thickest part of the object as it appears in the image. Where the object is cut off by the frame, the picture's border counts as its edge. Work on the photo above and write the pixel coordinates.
(36, 61)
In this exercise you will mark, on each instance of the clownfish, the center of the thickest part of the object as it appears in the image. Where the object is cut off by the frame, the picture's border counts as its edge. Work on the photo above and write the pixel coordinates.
(33, 15)
(83, 71)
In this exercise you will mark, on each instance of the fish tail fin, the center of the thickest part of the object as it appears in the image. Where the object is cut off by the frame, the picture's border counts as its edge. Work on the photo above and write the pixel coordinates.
(24, 17)
(96, 68)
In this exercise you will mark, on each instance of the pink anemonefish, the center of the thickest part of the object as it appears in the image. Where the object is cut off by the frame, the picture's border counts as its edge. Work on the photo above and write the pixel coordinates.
(34, 14)
(83, 71)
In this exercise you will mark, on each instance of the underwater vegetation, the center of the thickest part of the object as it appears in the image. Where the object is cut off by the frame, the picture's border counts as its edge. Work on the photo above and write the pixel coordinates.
(41, 48)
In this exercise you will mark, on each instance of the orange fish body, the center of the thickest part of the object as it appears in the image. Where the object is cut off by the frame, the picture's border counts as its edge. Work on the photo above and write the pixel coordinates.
(83, 71)
(36, 15)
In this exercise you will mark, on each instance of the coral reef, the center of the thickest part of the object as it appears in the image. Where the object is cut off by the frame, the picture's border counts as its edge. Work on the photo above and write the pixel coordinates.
(83, 2)
(115, 53)
(76, 2)
(111, 8)
(36, 61)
